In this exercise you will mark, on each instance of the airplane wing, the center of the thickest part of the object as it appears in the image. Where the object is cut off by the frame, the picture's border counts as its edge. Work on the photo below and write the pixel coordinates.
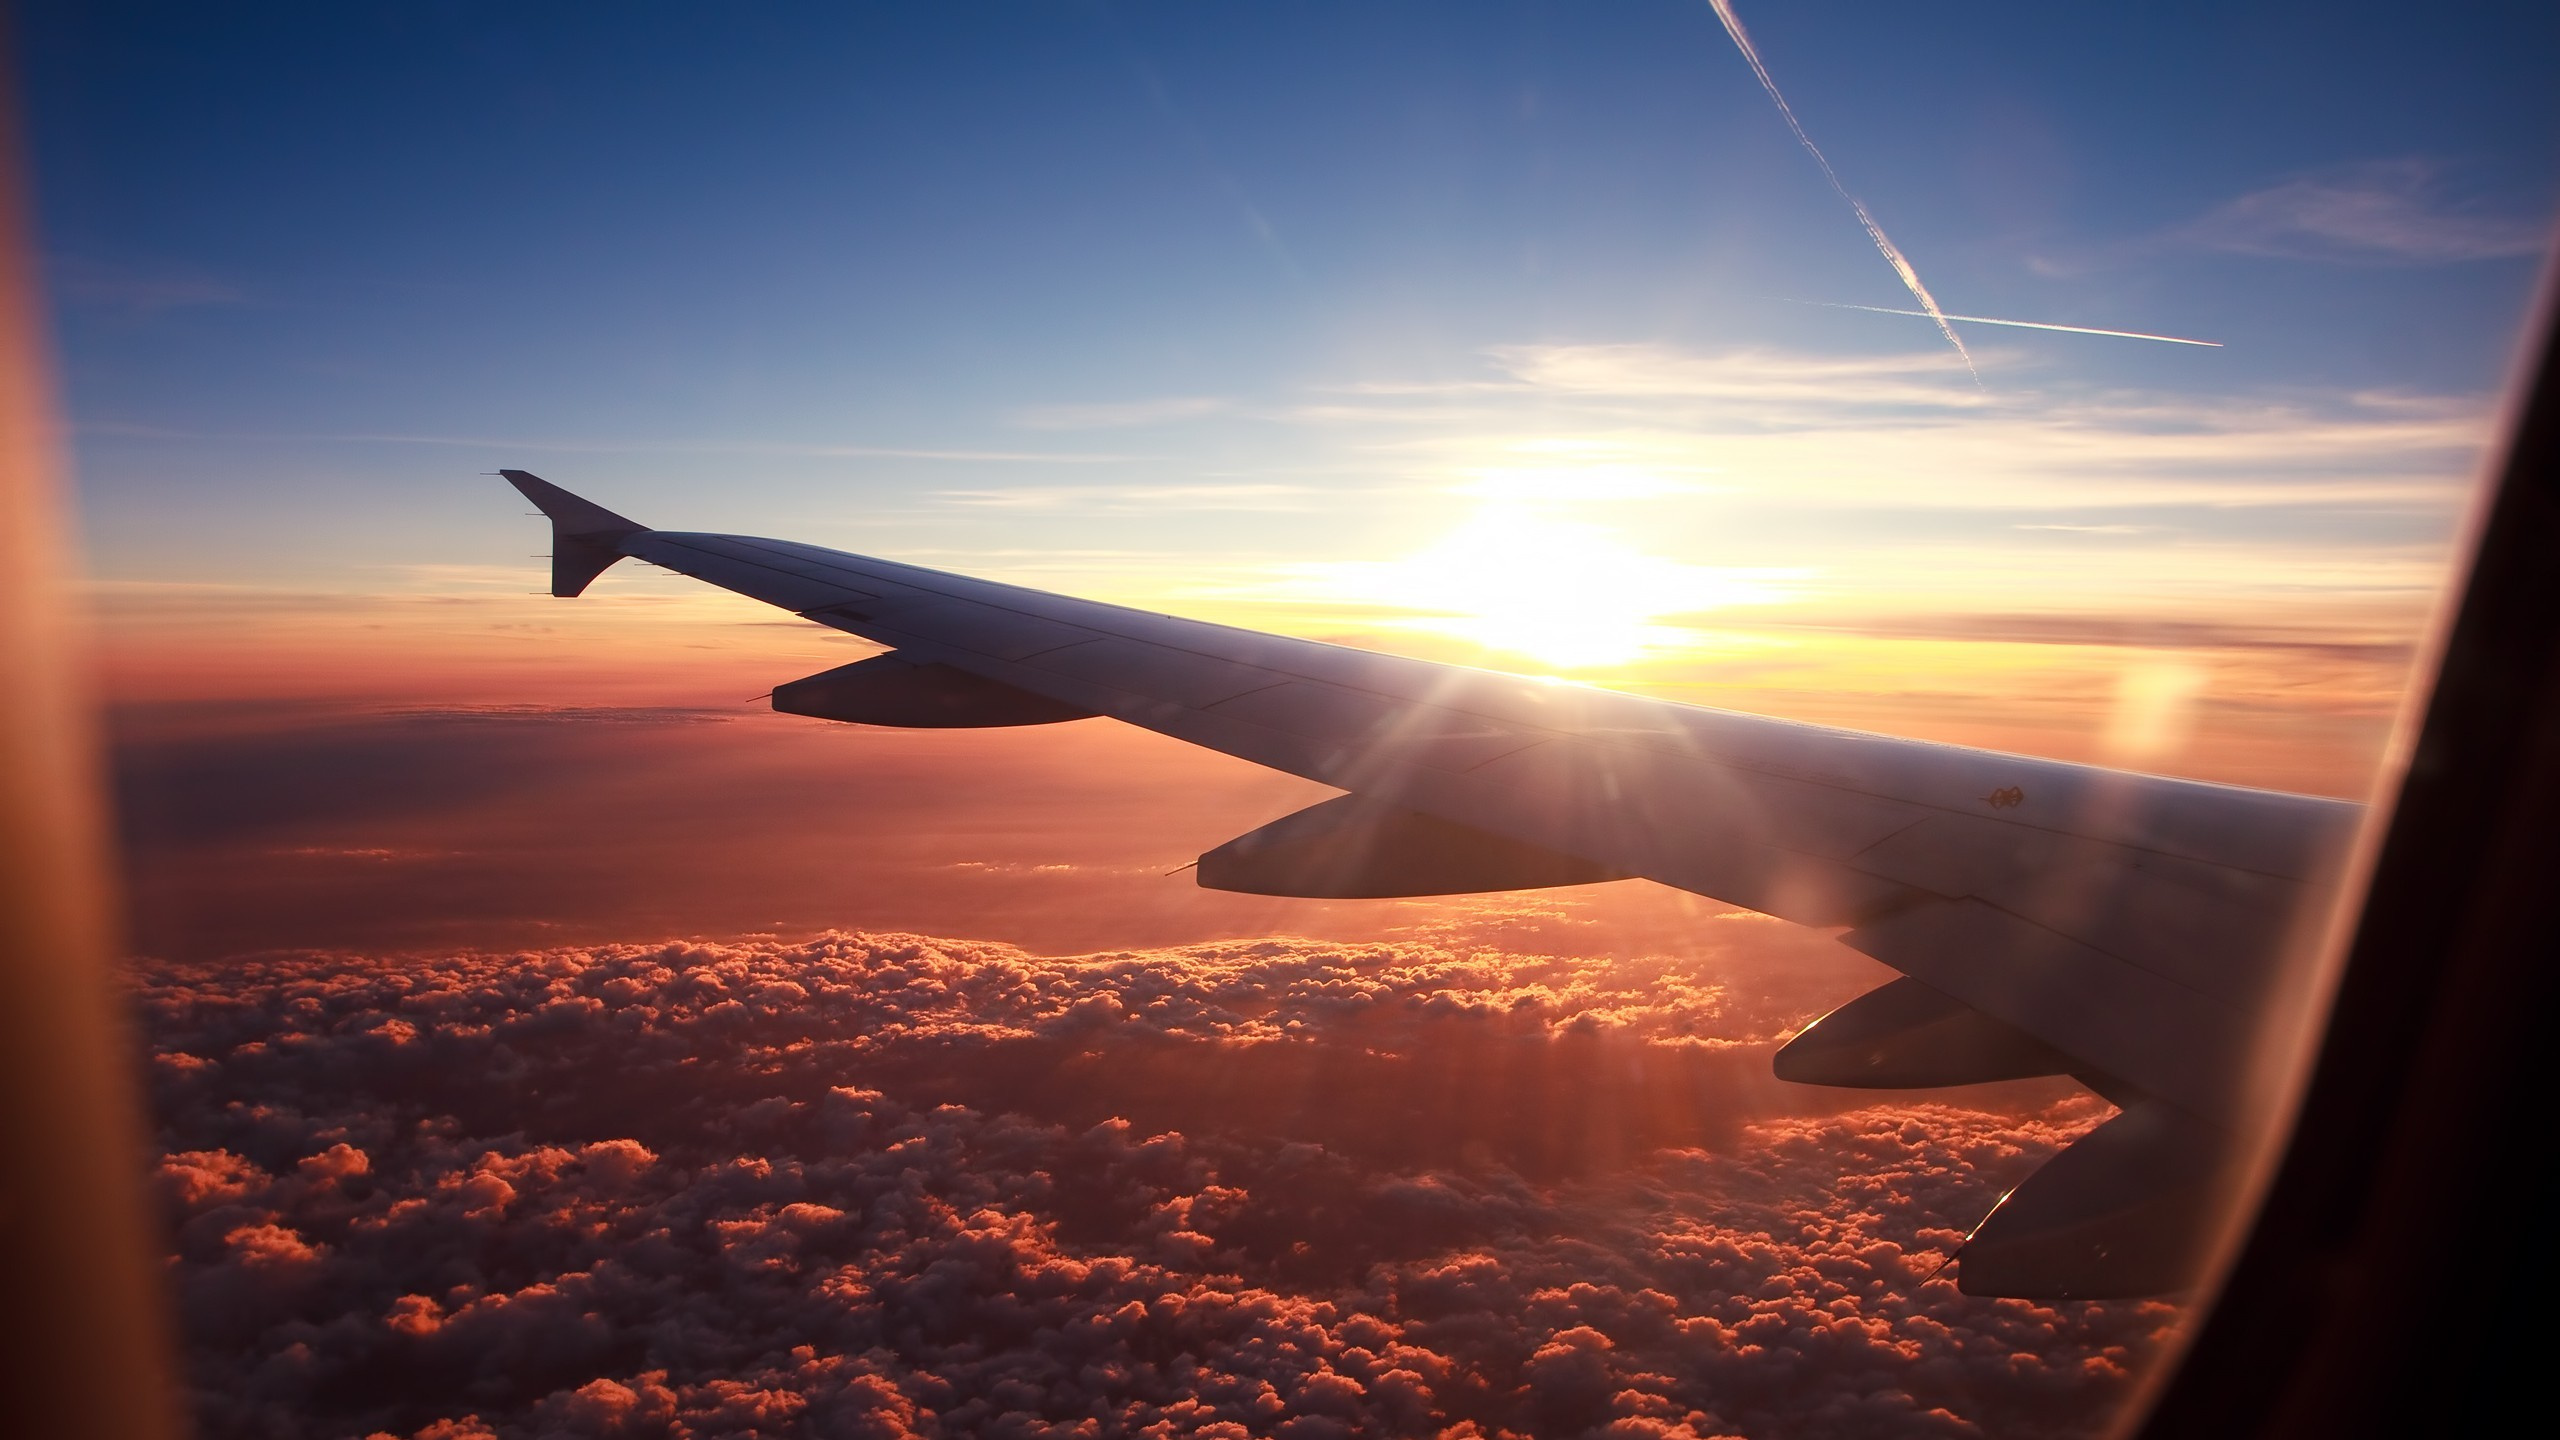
(2129, 930)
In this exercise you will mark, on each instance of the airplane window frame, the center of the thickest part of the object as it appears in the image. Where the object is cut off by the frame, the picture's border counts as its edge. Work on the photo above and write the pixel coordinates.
(2372, 1292)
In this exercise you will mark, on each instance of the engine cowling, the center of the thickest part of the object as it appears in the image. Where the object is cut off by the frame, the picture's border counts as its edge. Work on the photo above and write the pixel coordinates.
(1355, 848)
(893, 690)
(1906, 1036)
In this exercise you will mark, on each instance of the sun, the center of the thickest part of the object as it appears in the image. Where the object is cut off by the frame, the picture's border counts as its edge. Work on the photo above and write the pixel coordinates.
(1517, 578)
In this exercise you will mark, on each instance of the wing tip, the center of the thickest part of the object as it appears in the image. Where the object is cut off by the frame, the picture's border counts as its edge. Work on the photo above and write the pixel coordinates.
(586, 538)
(571, 514)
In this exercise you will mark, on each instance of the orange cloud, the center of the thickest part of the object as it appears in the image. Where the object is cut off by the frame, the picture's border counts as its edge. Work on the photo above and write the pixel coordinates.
(1300, 1187)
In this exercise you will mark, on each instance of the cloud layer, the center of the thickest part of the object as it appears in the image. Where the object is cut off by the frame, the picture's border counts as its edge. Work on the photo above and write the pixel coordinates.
(883, 1185)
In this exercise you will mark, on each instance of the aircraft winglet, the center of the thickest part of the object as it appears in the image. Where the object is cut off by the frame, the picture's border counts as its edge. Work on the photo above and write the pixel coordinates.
(585, 537)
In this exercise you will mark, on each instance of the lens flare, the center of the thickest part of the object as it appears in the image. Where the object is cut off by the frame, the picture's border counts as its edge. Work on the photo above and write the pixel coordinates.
(1567, 594)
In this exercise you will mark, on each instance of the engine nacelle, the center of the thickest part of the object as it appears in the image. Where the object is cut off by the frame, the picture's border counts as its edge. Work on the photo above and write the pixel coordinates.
(1354, 848)
(2131, 1208)
(892, 690)
(1907, 1036)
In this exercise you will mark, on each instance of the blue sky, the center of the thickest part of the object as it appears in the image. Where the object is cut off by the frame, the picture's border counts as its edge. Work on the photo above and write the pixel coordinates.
(1191, 302)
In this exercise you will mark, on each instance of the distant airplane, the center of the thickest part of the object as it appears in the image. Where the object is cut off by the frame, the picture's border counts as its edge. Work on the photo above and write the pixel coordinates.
(2140, 934)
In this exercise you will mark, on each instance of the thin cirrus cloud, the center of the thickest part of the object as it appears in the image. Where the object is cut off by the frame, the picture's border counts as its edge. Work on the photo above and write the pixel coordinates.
(2385, 212)
(560, 446)
(1752, 374)
(1135, 497)
(1807, 431)
(1119, 415)
(2142, 633)
(134, 290)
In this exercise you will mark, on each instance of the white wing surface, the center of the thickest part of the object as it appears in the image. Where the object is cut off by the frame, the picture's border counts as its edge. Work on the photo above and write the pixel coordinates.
(2056, 918)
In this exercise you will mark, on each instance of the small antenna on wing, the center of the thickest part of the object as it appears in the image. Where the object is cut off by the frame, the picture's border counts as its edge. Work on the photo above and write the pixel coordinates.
(1178, 869)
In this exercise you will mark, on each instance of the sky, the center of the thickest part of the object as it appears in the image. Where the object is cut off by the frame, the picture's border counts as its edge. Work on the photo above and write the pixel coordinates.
(1550, 338)
(1325, 319)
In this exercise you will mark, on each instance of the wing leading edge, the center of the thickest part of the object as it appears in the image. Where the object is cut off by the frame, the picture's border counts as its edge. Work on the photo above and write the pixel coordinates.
(2131, 930)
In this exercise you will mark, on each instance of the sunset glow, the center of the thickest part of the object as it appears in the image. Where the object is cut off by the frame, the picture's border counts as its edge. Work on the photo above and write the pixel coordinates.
(546, 1037)
(1521, 580)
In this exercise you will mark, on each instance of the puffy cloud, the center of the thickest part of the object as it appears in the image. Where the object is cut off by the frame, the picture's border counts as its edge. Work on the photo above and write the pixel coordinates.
(888, 1185)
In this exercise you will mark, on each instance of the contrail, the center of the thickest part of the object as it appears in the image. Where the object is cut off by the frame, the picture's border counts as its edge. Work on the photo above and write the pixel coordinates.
(2017, 324)
(1875, 232)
